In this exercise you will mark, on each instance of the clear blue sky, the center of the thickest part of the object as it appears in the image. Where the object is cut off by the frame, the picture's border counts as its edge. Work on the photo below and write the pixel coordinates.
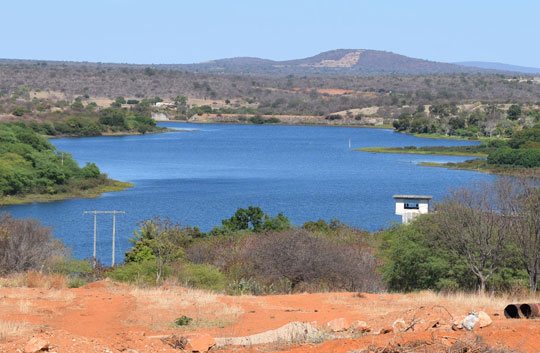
(167, 31)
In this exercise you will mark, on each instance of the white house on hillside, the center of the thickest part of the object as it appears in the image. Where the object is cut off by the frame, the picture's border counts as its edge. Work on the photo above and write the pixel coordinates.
(410, 206)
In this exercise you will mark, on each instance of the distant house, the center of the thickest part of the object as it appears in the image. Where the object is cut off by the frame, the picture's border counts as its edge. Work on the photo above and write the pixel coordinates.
(169, 105)
(410, 206)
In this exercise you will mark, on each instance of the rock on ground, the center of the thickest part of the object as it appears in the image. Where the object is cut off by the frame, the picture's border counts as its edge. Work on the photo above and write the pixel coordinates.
(338, 325)
(36, 344)
(291, 332)
(484, 319)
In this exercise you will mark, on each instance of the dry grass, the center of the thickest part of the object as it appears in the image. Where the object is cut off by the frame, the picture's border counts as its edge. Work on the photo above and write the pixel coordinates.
(13, 329)
(56, 295)
(32, 279)
(41, 280)
(25, 306)
(459, 299)
(165, 304)
(14, 280)
(164, 298)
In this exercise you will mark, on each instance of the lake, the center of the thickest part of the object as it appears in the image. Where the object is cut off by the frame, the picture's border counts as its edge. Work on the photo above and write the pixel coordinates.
(202, 177)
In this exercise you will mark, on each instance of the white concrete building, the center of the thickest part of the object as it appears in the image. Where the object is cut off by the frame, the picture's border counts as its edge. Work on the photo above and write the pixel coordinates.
(410, 206)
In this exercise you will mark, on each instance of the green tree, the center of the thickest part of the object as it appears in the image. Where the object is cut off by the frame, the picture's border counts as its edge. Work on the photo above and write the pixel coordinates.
(161, 242)
(514, 112)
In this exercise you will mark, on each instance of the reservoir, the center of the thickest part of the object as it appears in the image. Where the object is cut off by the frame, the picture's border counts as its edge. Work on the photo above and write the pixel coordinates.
(201, 177)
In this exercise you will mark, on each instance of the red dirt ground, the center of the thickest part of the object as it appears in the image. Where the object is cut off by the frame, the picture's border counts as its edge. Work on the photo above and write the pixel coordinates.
(110, 317)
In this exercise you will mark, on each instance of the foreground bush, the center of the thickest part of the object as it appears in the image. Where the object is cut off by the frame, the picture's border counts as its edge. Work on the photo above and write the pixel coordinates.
(301, 257)
(25, 245)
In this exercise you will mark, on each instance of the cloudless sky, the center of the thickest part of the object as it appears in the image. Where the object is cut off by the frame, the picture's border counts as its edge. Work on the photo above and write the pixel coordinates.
(175, 31)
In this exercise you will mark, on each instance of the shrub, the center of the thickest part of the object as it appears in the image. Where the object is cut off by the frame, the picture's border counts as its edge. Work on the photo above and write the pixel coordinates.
(333, 117)
(25, 244)
(76, 282)
(256, 120)
(300, 257)
(139, 273)
(183, 320)
(202, 276)
(18, 111)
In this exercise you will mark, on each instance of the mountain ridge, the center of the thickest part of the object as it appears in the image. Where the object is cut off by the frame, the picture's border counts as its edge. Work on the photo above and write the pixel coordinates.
(335, 62)
(338, 62)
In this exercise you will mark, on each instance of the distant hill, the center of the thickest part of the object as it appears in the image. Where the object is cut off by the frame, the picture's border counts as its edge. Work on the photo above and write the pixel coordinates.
(335, 62)
(500, 66)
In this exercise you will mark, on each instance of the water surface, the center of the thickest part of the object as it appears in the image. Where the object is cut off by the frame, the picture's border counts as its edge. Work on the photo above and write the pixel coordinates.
(201, 177)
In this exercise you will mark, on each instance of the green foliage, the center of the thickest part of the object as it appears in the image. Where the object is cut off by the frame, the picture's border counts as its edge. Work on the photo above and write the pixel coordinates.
(154, 234)
(202, 276)
(251, 219)
(244, 219)
(76, 282)
(183, 320)
(413, 258)
(514, 112)
(141, 273)
(256, 120)
(528, 158)
(30, 164)
(113, 117)
(71, 267)
(520, 138)
(19, 111)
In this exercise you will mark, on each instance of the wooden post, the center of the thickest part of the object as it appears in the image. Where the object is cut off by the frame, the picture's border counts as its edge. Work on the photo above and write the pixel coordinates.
(113, 234)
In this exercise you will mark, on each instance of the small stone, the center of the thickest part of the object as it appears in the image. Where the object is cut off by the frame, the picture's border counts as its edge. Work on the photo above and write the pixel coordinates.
(36, 344)
(484, 319)
(470, 321)
(399, 325)
(359, 326)
(338, 325)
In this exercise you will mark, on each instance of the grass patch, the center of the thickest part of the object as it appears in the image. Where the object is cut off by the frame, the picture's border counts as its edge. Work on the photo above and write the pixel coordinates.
(109, 186)
(481, 165)
(421, 150)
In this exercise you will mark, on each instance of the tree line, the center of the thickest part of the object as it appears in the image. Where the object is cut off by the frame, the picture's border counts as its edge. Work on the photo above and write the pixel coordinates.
(482, 238)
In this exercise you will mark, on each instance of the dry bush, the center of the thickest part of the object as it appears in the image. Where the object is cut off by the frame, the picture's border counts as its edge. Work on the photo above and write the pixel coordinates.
(301, 257)
(13, 329)
(24, 244)
(42, 280)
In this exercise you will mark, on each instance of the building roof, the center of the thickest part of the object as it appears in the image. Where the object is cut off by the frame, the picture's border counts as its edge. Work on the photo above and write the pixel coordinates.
(414, 197)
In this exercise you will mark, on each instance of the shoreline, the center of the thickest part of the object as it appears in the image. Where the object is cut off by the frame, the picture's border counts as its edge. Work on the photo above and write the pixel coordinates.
(398, 150)
(113, 134)
(382, 127)
(111, 186)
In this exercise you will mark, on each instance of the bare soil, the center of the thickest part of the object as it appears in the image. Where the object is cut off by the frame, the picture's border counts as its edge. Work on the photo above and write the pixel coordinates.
(110, 317)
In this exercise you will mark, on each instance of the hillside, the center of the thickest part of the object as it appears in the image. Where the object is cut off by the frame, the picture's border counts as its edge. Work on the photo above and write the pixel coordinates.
(500, 66)
(341, 62)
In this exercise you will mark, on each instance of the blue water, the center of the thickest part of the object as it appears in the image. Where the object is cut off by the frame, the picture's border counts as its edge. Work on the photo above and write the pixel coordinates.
(201, 177)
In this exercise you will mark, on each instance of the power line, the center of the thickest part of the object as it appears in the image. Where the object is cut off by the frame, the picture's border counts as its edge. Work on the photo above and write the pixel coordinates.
(113, 232)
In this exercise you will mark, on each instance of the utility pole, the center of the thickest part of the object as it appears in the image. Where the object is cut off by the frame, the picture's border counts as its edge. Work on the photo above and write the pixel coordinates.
(113, 232)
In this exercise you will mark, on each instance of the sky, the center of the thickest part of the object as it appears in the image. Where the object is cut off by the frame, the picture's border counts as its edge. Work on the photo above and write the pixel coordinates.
(176, 31)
